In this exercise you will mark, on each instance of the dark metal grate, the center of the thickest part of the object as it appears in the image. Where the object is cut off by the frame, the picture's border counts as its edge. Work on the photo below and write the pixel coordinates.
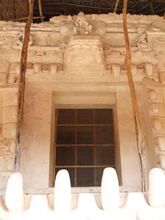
(85, 144)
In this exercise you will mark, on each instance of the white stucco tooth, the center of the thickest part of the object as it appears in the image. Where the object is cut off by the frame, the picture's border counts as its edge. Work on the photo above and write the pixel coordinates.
(62, 191)
(156, 189)
(110, 195)
(14, 196)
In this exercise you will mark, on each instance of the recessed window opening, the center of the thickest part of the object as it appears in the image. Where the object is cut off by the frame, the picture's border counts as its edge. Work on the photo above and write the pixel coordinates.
(84, 144)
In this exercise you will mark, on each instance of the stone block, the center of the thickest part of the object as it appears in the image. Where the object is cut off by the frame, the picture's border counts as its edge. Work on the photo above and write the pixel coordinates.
(157, 109)
(116, 70)
(12, 67)
(155, 96)
(162, 160)
(12, 78)
(37, 67)
(162, 77)
(160, 142)
(3, 78)
(53, 69)
(148, 69)
(9, 114)
(9, 130)
(10, 98)
(157, 124)
(134, 70)
(91, 49)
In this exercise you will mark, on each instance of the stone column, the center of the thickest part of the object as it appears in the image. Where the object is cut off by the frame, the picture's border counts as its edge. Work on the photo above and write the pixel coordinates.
(36, 138)
(130, 166)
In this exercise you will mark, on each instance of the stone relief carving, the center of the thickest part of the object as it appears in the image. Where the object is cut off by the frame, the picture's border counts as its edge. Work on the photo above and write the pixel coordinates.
(142, 42)
(91, 66)
(157, 25)
(39, 53)
(82, 26)
(5, 148)
(58, 31)
(20, 37)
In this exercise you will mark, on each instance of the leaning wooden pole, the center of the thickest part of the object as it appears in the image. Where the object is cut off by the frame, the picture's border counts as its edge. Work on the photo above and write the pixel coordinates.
(40, 10)
(138, 127)
(21, 88)
(116, 6)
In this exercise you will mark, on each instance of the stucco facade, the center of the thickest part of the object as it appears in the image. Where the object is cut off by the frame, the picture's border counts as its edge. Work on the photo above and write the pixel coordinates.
(79, 62)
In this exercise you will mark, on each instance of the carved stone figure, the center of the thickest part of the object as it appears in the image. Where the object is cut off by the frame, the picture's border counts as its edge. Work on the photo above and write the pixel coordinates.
(141, 40)
(81, 25)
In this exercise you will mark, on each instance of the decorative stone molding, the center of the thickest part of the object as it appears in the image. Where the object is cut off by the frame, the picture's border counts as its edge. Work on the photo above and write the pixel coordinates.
(157, 111)
(49, 45)
(5, 148)
(78, 66)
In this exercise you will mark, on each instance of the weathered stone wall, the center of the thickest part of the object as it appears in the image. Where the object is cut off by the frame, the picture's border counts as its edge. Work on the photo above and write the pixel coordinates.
(82, 55)
(8, 121)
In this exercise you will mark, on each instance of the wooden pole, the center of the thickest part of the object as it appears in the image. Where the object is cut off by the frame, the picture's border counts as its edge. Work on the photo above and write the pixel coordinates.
(138, 127)
(25, 18)
(40, 10)
(21, 88)
(116, 6)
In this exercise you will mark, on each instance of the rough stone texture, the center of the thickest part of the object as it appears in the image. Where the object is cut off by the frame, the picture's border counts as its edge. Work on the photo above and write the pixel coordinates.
(80, 61)
(36, 138)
